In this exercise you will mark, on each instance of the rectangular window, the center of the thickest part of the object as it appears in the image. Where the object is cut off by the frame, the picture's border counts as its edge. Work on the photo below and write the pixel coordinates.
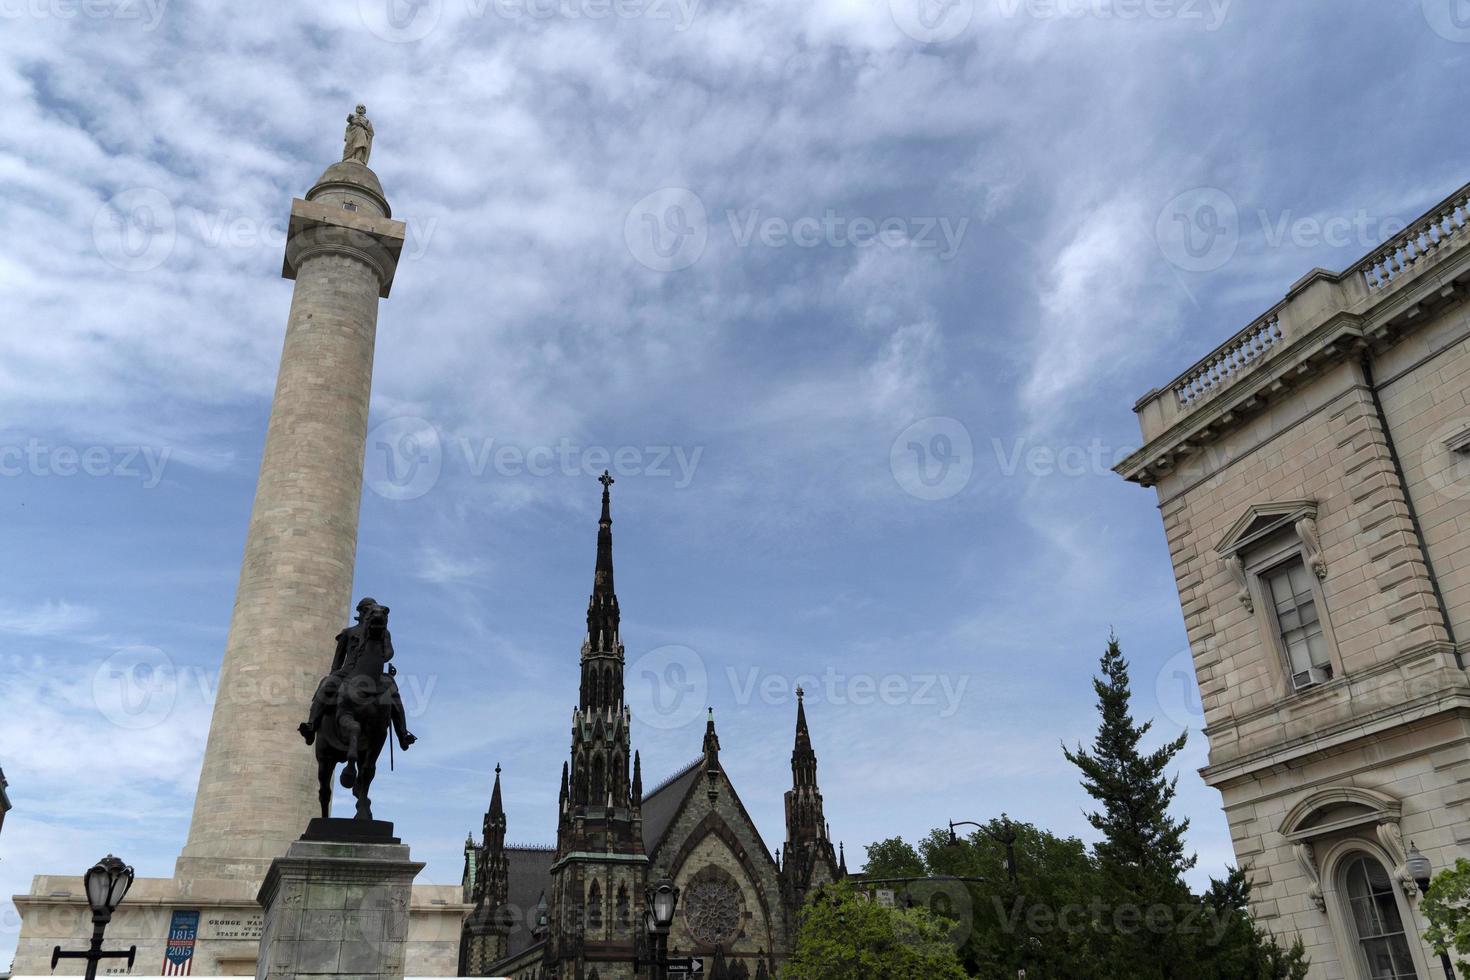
(1289, 588)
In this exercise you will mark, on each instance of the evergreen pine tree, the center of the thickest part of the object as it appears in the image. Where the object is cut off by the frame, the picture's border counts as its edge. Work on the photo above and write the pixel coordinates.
(1141, 857)
(1233, 947)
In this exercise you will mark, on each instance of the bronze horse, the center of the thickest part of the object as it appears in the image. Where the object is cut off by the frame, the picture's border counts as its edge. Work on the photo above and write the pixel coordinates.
(359, 701)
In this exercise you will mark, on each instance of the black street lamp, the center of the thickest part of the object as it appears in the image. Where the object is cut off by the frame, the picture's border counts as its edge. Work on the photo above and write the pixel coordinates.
(1422, 872)
(107, 882)
(1006, 836)
(662, 899)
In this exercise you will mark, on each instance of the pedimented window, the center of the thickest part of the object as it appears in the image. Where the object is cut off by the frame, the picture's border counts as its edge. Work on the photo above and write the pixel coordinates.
(1274, 557)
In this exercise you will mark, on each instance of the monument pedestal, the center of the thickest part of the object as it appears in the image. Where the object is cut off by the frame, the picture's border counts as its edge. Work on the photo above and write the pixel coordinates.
(337, 908)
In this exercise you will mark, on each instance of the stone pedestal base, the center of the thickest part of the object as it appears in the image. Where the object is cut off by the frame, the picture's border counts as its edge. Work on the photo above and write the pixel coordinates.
(336, 909)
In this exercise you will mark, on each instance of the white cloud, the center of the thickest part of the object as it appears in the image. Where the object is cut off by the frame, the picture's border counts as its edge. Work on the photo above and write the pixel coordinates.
(47, 619)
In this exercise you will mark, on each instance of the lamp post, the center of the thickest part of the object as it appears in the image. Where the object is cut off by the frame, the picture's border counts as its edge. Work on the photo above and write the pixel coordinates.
(107, 882)
(662, 899)
(1422, 872)
(1005, 836)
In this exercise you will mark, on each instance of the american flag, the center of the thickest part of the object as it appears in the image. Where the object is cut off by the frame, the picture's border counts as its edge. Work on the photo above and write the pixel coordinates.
(178, 955)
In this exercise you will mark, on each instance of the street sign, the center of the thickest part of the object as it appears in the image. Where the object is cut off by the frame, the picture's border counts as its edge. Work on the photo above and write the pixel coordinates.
(688, 965)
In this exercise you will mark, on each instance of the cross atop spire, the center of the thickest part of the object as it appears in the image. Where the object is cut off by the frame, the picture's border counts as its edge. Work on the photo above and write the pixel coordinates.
(606, 479)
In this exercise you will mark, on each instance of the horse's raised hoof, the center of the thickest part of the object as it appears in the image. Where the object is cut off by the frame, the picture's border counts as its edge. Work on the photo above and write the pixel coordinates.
(349, 775)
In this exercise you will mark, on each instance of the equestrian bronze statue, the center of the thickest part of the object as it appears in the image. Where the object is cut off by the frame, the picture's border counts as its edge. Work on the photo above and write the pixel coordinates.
(354, 708)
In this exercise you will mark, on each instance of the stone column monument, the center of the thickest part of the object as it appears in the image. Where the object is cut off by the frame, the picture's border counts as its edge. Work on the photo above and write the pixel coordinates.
(257, 789)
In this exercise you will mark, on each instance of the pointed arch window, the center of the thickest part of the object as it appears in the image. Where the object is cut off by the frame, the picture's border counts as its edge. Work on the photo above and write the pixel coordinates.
(579, 781)
(594, 906)
(624, 912)
(599, 782)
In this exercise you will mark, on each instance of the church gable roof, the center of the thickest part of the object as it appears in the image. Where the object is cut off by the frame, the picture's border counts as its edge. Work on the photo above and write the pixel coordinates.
(529, 879)
(669, 801)
(662, 805)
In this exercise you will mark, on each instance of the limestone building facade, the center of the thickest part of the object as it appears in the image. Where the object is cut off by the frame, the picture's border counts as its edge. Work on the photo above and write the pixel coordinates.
(1313, 476)
(576, 911)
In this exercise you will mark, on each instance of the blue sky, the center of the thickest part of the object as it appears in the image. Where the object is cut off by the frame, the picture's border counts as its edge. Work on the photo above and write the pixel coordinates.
(958, 227)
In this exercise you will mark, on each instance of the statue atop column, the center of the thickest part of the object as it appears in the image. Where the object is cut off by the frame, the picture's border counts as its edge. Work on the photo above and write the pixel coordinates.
(357, 144)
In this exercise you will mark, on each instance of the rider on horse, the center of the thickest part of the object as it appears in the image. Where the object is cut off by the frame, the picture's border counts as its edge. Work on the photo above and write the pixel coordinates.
(351, 644)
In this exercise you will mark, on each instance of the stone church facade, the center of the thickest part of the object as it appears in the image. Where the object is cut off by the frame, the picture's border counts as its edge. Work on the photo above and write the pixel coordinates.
(1313, 475)
(576, 911)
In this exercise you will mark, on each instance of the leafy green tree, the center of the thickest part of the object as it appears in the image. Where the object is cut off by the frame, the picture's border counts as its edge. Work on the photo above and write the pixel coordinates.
(1141, 858)
(1021, 923)
(1447, 907)
(893, 858)
(843, 936)
(1052, 919)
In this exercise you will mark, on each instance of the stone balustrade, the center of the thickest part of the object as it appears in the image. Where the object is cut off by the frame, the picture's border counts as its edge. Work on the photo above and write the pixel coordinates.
(1237, 355)
(1324, 316)
(1439, 228)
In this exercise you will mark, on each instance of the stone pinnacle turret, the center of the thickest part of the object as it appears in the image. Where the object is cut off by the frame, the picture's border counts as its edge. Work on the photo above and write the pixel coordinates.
(257, 787)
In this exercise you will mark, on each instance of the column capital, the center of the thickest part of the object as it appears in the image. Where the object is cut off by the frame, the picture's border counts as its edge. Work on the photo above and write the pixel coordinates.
(327, 226)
